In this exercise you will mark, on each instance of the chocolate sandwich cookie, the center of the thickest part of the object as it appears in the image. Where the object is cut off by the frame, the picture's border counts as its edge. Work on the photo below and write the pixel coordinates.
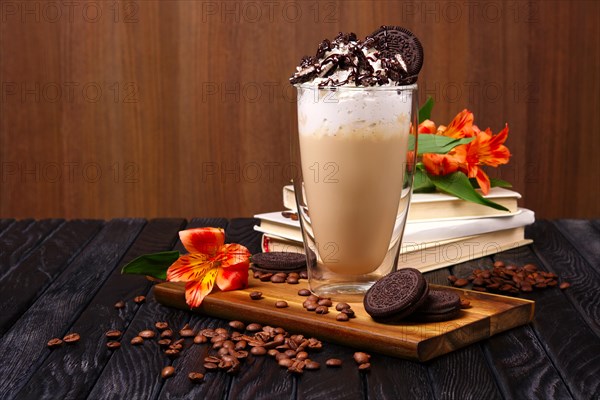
(395, 40)
(396, 295)
(440, 305)
(278, 261)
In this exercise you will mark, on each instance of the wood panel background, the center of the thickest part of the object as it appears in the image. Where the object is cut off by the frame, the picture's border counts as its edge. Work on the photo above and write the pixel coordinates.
(182, 108)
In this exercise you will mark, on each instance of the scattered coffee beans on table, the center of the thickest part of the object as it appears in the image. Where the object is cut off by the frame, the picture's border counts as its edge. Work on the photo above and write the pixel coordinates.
(509, 279)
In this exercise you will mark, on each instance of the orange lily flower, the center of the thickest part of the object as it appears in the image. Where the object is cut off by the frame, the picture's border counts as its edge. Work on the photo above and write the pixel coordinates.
(210, 260)
(485, 149)
(460, 127)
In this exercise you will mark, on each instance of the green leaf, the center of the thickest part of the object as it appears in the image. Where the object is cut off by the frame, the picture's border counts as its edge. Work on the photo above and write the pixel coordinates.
(155, 265)
(430, 143)
(425, 111)
(457, 184)
(422, 183)
(494, 182)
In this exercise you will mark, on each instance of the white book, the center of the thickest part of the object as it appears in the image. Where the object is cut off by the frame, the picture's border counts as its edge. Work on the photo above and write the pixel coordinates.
(415, 232)
(439, 206)
(432, 255)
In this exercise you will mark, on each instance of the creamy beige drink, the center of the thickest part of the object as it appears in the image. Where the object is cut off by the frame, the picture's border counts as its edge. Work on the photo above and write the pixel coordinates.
(353, 162)
(356, 123)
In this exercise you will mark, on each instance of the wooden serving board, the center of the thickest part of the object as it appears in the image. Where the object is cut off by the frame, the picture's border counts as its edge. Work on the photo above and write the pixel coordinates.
(489, 315)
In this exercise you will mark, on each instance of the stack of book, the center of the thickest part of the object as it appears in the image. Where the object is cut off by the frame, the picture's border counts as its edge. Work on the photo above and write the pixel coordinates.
(441, 230)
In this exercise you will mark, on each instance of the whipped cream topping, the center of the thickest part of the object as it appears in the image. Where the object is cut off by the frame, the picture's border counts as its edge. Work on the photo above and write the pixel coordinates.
(349, 61)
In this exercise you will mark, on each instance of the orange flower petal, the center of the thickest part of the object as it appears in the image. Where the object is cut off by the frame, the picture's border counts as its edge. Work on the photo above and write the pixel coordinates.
(461, 126)
(196, 291)
(483, 180)
(202, 240)
(234, 276)
(189, 267)
(442, 164)
(427, 126)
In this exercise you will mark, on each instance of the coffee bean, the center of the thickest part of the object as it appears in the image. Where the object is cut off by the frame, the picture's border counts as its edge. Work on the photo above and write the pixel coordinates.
(349, 312)
(256, 295)
(221, 331)
(364, 367)
(113, 345)
(254, 327)
(265, 277)
(290, 353)
(342, 306)
(161, 326)
(281, 304)
(119, 304)
(71, 338)
(564, 285)
(311, 365)
(361, 357)
(272, 352)
(452, 278)
(167, 372)
(113, 334)
(301, 355)
(321, 310)
(303, 292)
(199, 339)
(187, 332)
(325, 302)
(222, 351)
(241, 354)
(54, 343)
(139, 299)
(164, 342)
(342, 317)
(172, 353)
(499, 264)
(461, 282)
(209, 366)
(238, 325)
(333, 362)
(136, 341)
(292, 281)
(312, 297)
(281, 356)
(285, 362)
(241, 345)
(147, 334)
(166, 334)
(277, 278)
(258, 351)
(196, 377)
(465, 303)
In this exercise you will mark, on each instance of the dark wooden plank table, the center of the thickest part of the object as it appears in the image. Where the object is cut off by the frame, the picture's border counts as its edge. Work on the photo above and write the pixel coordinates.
(61, 276)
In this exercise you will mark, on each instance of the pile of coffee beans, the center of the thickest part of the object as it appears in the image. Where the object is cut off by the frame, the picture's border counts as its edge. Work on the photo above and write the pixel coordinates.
(230, 347)
(292, 278)
(509, 279)
(320, 305)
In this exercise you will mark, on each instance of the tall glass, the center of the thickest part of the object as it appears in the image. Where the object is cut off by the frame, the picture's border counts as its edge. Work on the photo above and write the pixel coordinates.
(357, 151)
